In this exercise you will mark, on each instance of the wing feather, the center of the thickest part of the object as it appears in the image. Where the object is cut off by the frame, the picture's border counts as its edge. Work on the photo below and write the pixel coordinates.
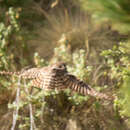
(81, 87)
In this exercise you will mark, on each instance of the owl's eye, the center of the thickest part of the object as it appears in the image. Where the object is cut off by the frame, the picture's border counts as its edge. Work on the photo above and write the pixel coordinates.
(59, 67)
(62, 66)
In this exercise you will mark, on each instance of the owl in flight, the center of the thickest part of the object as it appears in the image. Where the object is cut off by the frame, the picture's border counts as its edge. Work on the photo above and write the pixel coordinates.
(57, 77)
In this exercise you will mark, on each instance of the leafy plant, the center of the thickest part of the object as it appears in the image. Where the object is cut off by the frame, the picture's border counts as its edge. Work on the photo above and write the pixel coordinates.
(117, 60)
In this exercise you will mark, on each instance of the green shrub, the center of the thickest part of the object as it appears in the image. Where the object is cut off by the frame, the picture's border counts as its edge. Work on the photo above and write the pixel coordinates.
(118, 61)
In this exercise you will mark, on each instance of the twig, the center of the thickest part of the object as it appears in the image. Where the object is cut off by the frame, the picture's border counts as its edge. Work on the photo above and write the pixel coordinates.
(42, 109)
(15, 113)
(32, 123)
(87, 47)
(96, 74)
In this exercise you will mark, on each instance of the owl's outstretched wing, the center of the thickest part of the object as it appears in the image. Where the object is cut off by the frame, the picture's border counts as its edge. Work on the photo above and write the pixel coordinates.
(30, 73)
(81, 87)
(26, 74)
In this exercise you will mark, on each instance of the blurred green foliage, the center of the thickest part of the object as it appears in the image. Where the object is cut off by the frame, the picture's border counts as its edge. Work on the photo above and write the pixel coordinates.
(5, 33)
(117, 12)
(118, 62)
(14, 3)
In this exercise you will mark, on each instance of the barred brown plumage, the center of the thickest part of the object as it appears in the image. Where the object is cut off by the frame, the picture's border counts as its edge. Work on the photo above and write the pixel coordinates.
(57, 77)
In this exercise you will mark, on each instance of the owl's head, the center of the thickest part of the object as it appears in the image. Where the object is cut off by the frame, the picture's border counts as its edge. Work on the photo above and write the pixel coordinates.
(59, 67)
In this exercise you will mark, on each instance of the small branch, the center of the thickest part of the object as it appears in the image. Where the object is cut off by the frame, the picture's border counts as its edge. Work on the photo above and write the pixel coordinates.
(87, 48)
(15, 113)
(32, 123)
(42, 109)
